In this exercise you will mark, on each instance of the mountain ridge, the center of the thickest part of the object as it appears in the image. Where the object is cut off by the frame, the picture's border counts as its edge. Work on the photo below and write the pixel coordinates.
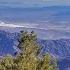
(59, 47)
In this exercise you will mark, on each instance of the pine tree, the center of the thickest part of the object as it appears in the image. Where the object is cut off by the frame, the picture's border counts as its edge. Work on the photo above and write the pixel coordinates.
(28, 58)
(47, 63)
(29, 47)
(6, 62)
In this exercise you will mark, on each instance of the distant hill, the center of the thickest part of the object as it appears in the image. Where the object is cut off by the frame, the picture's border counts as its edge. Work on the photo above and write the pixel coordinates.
(7, 43)
(59, 48)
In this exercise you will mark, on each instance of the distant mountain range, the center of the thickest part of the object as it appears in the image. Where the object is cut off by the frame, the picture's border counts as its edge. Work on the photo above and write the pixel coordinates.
(7, 43)
(59, 48)
(51, 14)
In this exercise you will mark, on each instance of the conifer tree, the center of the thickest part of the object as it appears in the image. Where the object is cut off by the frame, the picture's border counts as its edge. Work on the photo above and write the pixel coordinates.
(6, 63)
(28, 58)
(29, 47)
(48, 63)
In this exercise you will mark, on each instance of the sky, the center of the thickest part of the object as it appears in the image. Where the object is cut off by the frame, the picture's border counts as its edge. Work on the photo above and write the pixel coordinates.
(34, 3)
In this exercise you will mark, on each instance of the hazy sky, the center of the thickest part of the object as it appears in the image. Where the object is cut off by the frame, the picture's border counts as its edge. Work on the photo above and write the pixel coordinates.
(31, 3)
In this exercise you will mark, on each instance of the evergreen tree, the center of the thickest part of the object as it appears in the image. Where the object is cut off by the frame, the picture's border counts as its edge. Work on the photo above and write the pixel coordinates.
(6, 63)
(28, 58)
(48, 63)
(29, 47)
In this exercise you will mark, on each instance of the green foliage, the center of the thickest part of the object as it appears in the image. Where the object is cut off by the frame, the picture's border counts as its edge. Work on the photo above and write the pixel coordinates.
(28, 59)
(29, 47)
(47, 63)
(6, 63)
